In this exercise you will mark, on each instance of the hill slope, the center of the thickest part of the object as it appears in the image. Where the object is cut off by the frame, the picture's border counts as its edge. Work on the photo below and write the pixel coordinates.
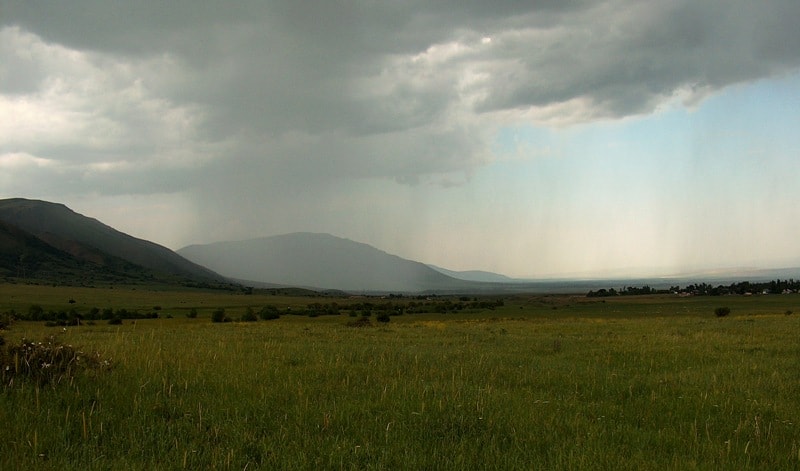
(89, 240)
(475, 275)
(319, 261)
(25, 256)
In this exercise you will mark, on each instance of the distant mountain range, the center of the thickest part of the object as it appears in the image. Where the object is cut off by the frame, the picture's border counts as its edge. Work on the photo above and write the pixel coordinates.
(321, 261)
(43, 241)
(476, 275)
(48, 241)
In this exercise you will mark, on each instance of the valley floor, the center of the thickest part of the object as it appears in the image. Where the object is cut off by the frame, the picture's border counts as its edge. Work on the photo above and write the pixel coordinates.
(541, 382)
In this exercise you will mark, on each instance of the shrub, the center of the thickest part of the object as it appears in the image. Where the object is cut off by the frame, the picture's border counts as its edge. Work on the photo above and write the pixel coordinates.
(192, 314)
(269, 313)
(115, 321)
(5, 321)
(384, 317)
(249, 316)
(35, 312)
(45, 362)
(219, 316)
(93, 313)
(722, 311)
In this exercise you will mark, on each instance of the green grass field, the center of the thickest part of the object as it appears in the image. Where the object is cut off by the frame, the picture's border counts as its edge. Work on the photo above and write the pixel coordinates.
(543, 382)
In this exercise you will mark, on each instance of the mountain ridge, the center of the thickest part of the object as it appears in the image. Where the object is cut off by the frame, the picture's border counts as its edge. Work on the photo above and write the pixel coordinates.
(88, 240)
(476, 275)
(321, 261)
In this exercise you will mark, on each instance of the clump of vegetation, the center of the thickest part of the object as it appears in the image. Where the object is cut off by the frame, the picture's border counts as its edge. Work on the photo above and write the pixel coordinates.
(384, 317)
(48, 362)
(269, 313)
(5, 321)
(219, 316)
(722, 311)
(192, 314)
(249, 315)
(360, 322)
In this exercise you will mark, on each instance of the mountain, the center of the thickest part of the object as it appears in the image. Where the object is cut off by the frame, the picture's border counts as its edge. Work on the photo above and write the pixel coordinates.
(88, 243)
(22, 254)
(475, 275)
(25, 256)
(320, 261)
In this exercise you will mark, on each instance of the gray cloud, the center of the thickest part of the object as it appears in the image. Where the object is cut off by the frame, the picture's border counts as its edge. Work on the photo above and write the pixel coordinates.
(627, 57)
(141, 97)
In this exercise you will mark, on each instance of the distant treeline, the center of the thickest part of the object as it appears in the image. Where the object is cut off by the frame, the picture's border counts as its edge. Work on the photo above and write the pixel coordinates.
(364, 308)
(420, 306)
(705, 289)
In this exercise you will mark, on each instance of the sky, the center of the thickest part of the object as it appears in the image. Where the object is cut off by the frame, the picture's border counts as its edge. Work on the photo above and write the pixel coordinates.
(536, 139)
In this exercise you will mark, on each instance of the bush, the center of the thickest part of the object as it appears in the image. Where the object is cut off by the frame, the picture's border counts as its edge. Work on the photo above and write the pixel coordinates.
(269, 313)
(192, 314)
(384, 317)
(722, 311)
(5, 321)
(249, 316)
(45, 362)
(219, 316)
(115, 321)
(35, 312)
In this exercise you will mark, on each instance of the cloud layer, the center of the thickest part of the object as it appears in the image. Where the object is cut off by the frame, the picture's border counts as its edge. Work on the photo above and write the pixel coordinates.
(213, 100)
(145, 82)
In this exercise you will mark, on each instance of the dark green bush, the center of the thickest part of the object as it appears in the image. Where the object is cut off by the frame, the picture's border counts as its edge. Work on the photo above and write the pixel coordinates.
(722, 311)
(192, 314)
(269, 313)
(219, 316)
(249, 316)
(5, 321)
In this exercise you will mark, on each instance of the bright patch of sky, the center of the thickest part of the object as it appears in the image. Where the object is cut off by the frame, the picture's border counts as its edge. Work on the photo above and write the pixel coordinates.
(666, 192)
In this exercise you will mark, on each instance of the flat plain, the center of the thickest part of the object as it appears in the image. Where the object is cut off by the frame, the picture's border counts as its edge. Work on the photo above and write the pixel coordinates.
(540, 382)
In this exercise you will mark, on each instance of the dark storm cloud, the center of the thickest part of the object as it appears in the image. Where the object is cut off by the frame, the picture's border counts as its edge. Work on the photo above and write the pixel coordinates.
(627, 57)
(395, 90)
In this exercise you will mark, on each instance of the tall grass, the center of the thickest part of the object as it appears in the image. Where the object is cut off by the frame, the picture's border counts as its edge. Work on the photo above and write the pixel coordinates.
(526, 387)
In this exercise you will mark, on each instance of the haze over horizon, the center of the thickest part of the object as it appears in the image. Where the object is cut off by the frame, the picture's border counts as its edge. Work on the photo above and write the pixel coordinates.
(556, 139)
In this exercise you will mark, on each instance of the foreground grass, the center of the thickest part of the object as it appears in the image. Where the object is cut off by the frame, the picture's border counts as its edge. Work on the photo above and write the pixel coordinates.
(544, 383)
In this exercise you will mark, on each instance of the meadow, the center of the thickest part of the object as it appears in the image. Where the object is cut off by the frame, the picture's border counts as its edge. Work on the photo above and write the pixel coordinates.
(541, 382)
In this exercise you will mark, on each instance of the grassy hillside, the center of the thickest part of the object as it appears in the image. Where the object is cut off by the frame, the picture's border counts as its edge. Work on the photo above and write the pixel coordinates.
(27, 258)
(543, 382)
(90, 240)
